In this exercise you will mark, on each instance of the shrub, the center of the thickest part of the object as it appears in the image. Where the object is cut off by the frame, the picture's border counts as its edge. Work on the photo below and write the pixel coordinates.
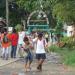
(54, 48)
(69, 42)
(18, 27)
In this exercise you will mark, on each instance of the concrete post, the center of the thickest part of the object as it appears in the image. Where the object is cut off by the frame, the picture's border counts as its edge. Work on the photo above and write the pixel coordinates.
(7, 14)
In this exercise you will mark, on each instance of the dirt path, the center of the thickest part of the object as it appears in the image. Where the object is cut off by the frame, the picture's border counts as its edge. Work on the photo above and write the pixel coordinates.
(52, 66)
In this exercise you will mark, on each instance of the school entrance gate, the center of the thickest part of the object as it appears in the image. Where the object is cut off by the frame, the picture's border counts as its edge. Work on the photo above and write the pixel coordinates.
(38, 21)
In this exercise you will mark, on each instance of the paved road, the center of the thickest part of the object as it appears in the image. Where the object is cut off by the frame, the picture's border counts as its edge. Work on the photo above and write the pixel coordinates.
(52, 66)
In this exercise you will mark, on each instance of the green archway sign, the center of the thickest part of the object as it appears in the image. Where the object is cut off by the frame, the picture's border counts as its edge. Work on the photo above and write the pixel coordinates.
(38, 21)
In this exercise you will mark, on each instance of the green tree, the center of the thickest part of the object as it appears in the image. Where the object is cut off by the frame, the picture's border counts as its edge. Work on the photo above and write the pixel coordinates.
(2, 8)
(19, 27)
(65, 11)
(25, 7)
(62, 10)
(31, 5)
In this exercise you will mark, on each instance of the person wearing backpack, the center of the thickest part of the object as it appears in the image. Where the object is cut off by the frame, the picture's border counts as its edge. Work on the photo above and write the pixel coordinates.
(40, 50)
(5, 46)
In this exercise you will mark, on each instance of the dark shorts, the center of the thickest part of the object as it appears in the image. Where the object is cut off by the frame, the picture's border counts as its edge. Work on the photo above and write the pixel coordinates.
(41, 56)
(29, 57)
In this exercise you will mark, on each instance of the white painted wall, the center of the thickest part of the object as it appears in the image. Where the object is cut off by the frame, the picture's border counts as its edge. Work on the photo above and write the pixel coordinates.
(70, 30)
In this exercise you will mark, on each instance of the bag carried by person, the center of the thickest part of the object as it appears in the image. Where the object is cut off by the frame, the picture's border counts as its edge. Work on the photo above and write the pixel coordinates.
(5, 39)
(23, 53)
(27, 50)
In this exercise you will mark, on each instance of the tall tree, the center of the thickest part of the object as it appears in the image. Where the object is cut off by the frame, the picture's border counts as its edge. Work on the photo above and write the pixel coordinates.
(2, 8)
(45, 5)
(65, 11)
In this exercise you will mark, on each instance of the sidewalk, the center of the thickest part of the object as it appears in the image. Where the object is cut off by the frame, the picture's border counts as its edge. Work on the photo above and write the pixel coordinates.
(6, 62)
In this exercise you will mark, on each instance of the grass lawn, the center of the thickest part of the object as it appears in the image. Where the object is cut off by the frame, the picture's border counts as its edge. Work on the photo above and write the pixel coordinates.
(67, 55)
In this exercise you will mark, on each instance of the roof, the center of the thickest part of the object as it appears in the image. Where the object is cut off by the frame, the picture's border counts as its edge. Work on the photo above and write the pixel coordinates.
(2, 23)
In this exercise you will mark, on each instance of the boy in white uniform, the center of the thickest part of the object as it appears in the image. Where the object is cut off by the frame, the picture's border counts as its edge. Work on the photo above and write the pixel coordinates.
(40, 50)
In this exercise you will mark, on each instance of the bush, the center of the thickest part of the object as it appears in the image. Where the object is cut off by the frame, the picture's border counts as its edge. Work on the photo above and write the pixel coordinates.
(18, 27)
(69, 42)
(54, 48)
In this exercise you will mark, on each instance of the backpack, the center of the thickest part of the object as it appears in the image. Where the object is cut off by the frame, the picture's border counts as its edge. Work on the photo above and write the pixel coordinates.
(5, 39)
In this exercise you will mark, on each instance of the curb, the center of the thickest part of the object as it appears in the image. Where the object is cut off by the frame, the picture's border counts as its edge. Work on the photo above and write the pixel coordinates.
(9, 62)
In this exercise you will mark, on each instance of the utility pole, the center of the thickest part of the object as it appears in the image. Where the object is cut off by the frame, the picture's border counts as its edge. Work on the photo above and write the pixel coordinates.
(7, 14)
(24, 23)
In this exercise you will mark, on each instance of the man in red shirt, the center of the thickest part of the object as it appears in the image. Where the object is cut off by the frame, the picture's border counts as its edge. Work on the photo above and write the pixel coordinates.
(14, 42)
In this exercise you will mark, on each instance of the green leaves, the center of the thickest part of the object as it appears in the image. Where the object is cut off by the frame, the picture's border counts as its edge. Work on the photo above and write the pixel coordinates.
(65, 10)
(18, 27)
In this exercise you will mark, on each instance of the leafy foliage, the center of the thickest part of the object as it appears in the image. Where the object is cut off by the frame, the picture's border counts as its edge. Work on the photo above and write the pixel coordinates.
(54, 48)
(69, 42)
(18, 27)
(2, 8)
(62, 10)
(65, 11)
(58, 28)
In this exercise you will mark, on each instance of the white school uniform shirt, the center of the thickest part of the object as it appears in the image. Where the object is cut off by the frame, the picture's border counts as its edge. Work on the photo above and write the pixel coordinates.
(40, 46)
(21, 37)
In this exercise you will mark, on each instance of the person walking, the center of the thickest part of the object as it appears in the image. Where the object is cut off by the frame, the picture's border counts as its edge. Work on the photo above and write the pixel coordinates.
(20, 43)
(28, 47)
(14, 42)
(5, 46)
(40, 50)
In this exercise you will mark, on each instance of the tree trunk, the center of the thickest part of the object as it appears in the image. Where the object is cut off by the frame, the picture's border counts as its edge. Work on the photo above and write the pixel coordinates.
(58, 36)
